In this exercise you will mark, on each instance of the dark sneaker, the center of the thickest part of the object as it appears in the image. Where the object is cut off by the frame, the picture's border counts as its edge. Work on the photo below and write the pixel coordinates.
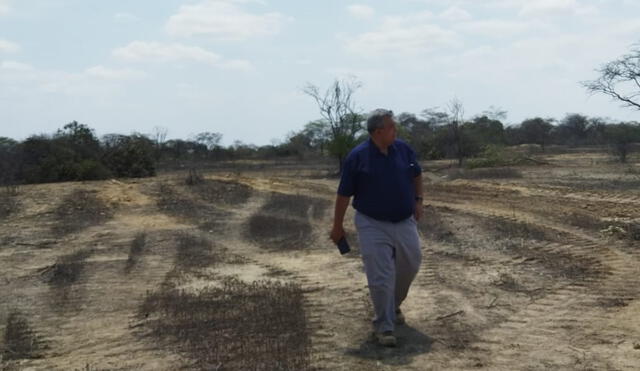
(399, 317)
(386, 338)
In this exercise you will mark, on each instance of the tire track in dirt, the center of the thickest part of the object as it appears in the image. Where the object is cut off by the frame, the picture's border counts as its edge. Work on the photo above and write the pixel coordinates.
(520, 338)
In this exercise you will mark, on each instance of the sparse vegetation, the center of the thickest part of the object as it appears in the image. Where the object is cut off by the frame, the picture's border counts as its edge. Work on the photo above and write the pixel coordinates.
(273, 232)
(135, 251)
(79, 210)
(9, 203)
(20, 340)
(222, 192)
(239, 326)
(207, 216)
(295, 205)
(67, 270)
(194, 177)
(488, 173)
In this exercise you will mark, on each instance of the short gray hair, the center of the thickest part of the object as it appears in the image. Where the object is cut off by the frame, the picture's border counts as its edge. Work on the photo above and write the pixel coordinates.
(374, 121)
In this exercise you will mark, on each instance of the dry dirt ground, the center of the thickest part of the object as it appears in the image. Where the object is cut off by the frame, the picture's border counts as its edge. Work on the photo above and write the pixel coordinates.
(532, 268)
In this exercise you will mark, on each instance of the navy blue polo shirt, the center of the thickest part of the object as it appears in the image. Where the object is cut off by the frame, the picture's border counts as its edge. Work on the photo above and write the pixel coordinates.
(382, 185)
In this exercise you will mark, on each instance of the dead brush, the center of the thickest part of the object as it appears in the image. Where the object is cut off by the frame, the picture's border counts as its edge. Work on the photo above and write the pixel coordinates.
(9, 203)
(67, 269)
(194, 252)
(584, 220)
(485, 173)
(296, 205)
(224, 192)
(20, 340)
(170, 201)
(239, 326)
(135, 251)
(513, 229)
(274, 232)
(564, 265)
(433, 225)
(194, 177)
(79, 210)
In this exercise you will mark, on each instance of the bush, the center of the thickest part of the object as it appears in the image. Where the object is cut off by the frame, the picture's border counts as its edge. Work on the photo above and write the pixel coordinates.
(493, 156)
(129, 156)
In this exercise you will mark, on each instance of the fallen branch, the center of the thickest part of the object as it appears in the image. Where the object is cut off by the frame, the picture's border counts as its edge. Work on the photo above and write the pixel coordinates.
(450, 315)
(491, 305)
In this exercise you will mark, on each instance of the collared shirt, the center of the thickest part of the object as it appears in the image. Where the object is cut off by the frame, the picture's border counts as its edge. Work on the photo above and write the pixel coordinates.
(382, 185)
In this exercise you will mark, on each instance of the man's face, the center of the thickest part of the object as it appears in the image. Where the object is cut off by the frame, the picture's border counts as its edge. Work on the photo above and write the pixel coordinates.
(387, 133)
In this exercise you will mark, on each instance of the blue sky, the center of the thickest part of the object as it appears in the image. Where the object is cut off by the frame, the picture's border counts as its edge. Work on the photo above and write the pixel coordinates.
(238, 67)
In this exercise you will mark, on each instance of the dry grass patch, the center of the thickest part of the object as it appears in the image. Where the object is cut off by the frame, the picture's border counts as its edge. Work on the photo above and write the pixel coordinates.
(207, 216)
(222, 192)
(295, 206)
(67, 270)
(272, 232)
(79, 210)
(562, 265)
(135, 251)
(9, 203)
(20, 340)
(193, 252)
(239, 326)
(433, 226)
(485, 173)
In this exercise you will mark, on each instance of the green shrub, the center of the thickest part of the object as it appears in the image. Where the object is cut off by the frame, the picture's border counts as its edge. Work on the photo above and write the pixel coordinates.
(494, 155)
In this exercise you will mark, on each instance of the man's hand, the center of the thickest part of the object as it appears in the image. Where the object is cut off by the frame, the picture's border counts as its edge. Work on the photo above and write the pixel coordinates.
(419, 210)
(336, 233)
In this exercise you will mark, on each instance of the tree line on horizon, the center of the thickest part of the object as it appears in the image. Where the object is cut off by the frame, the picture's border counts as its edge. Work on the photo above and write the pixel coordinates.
(74, 152)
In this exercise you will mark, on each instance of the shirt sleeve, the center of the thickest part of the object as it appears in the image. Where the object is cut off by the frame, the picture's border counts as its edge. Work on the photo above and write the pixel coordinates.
(347, 185)
(413, 163)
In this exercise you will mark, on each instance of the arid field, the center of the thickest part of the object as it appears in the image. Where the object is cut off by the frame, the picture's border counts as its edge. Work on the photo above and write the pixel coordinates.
(525, 268)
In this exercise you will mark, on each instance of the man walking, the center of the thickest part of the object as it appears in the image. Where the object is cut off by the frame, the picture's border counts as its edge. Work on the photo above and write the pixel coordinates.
(385, 179)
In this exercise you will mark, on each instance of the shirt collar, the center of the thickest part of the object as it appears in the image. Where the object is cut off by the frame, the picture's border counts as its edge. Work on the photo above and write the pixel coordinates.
(372, 147)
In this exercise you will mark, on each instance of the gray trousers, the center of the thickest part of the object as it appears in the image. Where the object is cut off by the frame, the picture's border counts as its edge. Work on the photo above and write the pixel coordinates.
(391, 255)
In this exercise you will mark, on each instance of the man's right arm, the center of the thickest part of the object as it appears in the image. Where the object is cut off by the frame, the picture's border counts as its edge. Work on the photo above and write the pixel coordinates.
(342, 202)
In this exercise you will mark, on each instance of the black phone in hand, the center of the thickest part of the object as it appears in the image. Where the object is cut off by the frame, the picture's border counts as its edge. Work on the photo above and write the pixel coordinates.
(343, 245)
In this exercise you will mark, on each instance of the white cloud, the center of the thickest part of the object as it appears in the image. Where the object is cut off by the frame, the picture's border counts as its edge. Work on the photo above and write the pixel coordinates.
(4, 7)
(555, 7)
(8, 47)
(361, 11)
(125, 18)
(237, 65)
(455, 14)
(495, 27)
(408, 35)
(223, 20)
(142, 50)
(15, 66)
(106, 73)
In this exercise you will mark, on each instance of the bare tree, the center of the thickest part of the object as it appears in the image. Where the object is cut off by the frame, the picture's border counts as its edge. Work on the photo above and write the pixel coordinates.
(338, 109)
(159, 135)
(456, 119)
(620, 79)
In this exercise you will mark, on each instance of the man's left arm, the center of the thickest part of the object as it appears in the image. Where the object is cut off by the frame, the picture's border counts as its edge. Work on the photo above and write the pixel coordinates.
(417, 183)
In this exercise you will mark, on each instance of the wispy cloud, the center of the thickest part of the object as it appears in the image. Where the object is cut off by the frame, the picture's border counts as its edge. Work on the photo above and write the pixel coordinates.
(555, 7)
(107, 73)
(125, 18)
(8, 47)
(223, 20)
(143, 51)
(361, 11)
(405, 35)
(4, 7)
(455, 14)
